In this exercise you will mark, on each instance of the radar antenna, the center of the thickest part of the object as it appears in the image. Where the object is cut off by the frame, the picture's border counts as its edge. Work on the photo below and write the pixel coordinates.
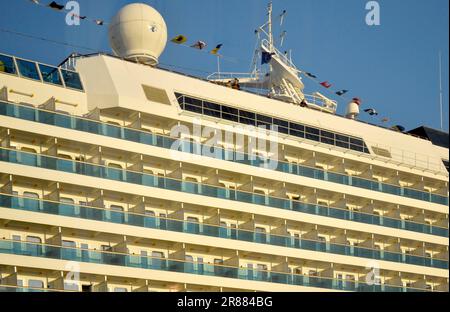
(282, 80)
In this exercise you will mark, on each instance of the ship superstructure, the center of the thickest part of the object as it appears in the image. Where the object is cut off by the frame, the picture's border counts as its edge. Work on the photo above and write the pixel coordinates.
(103, 187)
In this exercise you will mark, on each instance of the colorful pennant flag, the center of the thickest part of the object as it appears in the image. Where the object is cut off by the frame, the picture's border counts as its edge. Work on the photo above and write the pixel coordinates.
(266, 57)
(216, 49)
(200, 45)
(342, 92)
(78, 16)
(179, 39)
(371, 112)
(282, 16)
(56, 6)
(326, 84)
(310, 75)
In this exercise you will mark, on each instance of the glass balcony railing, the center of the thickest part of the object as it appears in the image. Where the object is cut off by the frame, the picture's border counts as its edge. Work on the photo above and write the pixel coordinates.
(9, 288)
(88, 169)
(198, 268)
(153, 222)
(134, 135)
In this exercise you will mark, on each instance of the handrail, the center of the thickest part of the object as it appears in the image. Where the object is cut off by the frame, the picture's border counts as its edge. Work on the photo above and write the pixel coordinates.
(169, 263)
(269, 201)
(234, 150)
(268, 236)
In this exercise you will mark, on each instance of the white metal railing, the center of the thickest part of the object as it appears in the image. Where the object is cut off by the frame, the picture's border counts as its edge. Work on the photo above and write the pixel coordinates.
(409, 159)
(265, 43)
(231, 75)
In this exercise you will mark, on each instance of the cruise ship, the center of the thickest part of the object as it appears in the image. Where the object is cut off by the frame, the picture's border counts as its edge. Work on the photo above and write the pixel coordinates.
(119, 175)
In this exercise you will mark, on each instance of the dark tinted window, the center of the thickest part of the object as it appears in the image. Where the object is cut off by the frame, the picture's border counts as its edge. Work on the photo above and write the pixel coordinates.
(7, 65)
(72, 79)
(297, 127)
(28, 69)
(249, 118)
(281, 123)
(446, 164)
(327, 137)
(230, 110)
(246, 114)
(211, 106)
(50, 74)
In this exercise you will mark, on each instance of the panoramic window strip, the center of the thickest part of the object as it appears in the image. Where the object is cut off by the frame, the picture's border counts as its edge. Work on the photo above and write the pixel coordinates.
(40, 72)
(286, 127)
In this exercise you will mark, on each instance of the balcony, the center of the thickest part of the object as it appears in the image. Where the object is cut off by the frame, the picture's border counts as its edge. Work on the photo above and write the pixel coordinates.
(167, 224)
(134, 135)
(171, 265)
(127, 176)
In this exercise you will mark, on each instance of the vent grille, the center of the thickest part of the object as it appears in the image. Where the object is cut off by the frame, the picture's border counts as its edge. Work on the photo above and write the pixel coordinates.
(156, 95)
(381, 152)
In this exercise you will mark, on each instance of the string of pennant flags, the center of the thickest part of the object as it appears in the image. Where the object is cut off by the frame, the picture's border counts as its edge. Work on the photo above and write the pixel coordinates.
(53, 5)
(202, 46)
(370, 111)
(199, 45)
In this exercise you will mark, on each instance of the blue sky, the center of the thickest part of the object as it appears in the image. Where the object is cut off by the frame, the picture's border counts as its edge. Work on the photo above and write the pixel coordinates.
(392, 67)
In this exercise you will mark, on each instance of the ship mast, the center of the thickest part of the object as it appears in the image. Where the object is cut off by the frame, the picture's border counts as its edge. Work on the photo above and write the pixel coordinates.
(282, 80)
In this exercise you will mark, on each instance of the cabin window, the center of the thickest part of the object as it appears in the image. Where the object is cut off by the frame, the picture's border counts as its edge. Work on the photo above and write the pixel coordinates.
(35, 284)
(65, 156)
(28, 150)
(69, 244)
(158, 254)
(211, 109)
(192, 219)
(312, 134)
(327, 137)
(65, 200)
(230, 114)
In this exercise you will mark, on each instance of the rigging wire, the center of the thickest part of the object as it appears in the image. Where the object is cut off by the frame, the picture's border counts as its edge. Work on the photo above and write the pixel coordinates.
(62, 43)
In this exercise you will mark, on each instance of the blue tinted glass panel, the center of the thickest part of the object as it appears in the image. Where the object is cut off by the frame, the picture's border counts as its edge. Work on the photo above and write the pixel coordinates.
(72, 79)
(7, 65)
(50, 74)
(28, 69)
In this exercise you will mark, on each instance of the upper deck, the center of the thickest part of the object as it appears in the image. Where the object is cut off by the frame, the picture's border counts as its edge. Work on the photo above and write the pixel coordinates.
(101, 81)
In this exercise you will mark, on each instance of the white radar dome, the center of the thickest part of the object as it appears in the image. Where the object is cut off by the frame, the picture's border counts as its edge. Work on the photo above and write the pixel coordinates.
(138, 32)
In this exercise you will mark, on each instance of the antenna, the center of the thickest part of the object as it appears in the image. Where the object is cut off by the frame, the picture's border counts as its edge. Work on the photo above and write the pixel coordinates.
(440, 90)
(270, 26)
